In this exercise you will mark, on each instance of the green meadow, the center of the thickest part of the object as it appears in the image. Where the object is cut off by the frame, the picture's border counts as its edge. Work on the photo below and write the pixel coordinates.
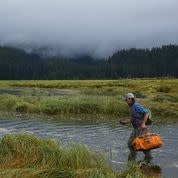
(97, 99)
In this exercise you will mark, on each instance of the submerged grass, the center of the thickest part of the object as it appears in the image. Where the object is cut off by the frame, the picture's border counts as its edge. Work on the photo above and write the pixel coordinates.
(28, 156)
(93, 97)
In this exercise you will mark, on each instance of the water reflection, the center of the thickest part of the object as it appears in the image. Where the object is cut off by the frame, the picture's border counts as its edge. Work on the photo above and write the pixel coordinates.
(151, 170)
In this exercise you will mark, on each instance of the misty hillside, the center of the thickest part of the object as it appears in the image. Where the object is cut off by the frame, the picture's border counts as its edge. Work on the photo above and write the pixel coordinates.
(157, 62)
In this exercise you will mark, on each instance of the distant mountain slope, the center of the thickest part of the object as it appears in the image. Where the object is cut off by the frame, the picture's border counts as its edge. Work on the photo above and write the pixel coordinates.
(157, 62)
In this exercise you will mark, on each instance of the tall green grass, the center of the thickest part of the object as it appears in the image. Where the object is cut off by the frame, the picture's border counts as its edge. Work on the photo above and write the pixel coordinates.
(28, 156)
(101, 105)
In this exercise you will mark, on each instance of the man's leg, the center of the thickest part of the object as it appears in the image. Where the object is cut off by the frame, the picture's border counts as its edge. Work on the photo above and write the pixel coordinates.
(147, 153)
(133, 153)
(148, 156)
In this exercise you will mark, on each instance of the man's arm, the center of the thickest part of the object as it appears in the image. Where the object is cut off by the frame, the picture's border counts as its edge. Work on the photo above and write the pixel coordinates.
(144, 120)
(140, 109)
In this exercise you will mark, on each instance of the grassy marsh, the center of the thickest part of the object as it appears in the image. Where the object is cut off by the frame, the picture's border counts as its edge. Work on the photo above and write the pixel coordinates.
(101, 98)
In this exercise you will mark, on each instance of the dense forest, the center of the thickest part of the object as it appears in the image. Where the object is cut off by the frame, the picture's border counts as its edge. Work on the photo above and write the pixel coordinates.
(16, 64)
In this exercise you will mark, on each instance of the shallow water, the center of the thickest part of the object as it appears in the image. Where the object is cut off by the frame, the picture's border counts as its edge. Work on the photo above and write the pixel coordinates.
(112, 141)
(37, 91)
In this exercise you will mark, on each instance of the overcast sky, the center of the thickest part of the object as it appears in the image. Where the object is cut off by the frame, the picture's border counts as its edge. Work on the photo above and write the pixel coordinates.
(98, 26)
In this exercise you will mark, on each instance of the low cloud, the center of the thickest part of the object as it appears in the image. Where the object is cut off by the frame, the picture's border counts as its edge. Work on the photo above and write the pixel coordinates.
(98, 27)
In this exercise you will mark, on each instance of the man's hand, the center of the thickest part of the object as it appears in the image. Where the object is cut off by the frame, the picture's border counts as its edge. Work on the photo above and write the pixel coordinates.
(125, 121)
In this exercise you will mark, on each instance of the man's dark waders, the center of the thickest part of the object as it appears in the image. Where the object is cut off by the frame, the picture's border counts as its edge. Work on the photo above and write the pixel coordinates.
(132, 156)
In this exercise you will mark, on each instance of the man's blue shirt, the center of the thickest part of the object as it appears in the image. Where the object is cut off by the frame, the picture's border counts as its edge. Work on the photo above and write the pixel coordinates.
(137, 113)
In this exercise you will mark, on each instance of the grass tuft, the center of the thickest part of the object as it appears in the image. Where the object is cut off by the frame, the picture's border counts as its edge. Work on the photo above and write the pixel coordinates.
(25, 155)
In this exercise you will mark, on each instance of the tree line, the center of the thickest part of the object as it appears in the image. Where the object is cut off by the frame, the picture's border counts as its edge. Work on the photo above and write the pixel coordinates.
(16, 64)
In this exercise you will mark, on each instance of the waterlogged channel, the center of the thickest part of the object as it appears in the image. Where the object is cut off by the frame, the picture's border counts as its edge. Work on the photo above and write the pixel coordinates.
(111, 140)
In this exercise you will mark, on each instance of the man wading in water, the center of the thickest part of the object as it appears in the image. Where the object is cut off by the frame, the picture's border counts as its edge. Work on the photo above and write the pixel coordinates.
(139, 116)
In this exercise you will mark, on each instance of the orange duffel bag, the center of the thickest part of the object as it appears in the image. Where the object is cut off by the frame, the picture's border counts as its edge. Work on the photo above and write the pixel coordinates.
(147, 141)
